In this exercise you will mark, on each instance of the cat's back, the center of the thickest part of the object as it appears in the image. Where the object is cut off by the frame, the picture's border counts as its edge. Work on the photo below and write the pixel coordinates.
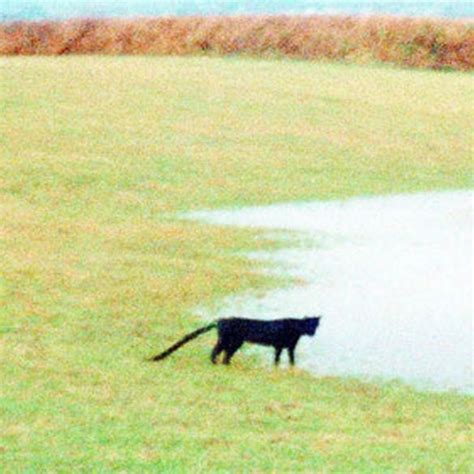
(252, 328)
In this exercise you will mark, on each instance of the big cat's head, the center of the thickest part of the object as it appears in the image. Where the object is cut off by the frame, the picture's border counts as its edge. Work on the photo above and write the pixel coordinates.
(311, 323)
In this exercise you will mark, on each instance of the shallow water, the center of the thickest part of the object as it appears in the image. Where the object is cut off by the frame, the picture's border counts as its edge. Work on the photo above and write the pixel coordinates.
(392, 277)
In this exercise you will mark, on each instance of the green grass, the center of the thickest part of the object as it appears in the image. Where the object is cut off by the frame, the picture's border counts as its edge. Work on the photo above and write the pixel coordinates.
(96, 274)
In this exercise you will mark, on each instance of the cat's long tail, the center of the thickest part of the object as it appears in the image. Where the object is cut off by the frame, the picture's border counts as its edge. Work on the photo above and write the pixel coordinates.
(183, 341)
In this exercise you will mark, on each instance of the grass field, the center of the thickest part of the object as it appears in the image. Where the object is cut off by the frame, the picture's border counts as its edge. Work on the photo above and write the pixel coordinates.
(97, 274)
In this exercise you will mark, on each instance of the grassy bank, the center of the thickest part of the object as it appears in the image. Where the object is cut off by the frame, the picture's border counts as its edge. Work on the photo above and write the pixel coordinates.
(96, 275)
(425, 43)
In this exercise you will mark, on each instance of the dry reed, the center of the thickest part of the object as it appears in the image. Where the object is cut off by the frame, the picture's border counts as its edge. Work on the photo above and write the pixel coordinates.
(425, 43)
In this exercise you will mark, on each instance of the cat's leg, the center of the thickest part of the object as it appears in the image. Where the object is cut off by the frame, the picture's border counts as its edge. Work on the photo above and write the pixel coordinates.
(291, 350)
(291, 354)
(218, 348)
(277, 355)
(230, 351)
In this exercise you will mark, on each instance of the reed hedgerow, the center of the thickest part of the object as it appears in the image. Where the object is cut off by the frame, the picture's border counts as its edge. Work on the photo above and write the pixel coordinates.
(425, 43)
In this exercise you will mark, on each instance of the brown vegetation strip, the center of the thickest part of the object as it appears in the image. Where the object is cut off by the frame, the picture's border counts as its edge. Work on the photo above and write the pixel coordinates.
(409, 42)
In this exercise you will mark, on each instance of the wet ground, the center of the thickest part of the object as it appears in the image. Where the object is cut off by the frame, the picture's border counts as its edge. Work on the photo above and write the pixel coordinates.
(392, 277)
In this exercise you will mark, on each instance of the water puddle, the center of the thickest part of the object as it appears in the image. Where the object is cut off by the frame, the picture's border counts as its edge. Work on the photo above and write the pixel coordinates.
(392, 276)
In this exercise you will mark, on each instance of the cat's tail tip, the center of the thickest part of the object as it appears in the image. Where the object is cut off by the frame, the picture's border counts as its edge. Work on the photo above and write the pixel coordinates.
(153, 359)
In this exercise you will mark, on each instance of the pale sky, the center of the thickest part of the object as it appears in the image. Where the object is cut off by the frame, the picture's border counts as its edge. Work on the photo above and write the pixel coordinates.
(64, 8)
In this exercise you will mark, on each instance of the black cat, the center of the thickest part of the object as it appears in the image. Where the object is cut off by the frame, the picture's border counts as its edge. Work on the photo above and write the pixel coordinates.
(233, 332)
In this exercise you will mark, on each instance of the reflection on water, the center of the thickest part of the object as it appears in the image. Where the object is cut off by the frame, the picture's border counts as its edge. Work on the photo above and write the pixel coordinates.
(392, 277)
